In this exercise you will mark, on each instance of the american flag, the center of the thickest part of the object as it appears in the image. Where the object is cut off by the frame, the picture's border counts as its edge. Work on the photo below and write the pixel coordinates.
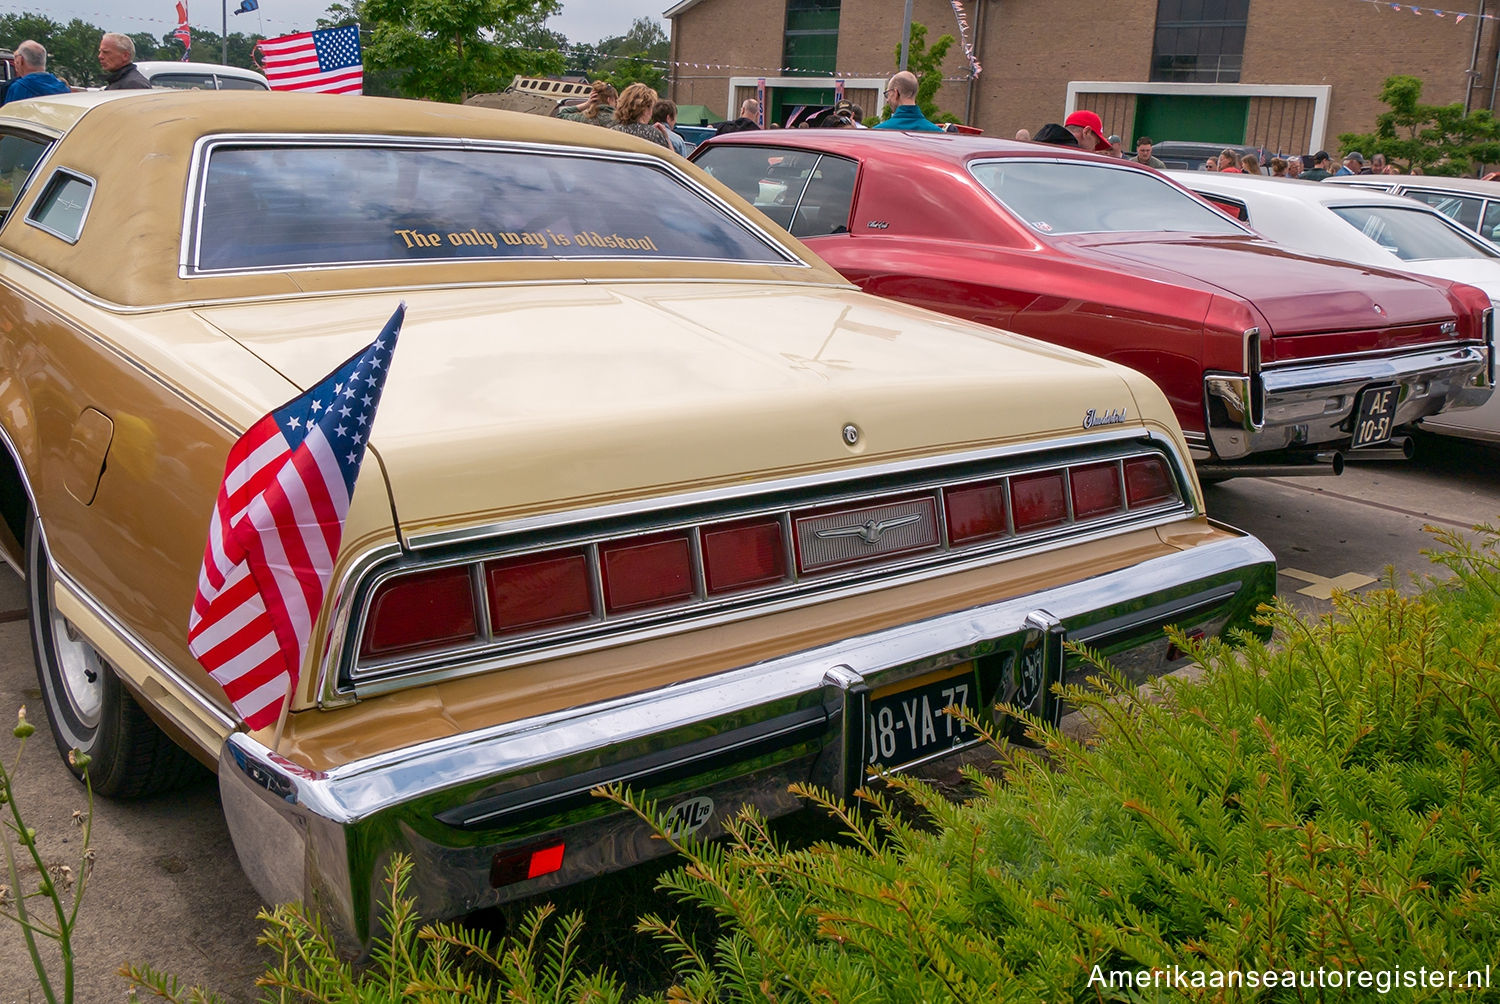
(275, 531)
(327, 60)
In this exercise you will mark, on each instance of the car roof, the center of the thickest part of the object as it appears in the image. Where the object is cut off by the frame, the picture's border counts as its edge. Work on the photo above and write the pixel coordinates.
(1468, 186)
(955, 148)
(150, 135)
(151, 68)
(1292, 189)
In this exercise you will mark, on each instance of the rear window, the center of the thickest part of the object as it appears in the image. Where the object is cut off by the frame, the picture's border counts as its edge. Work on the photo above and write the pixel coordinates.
(1411, 234)
(806, 192)
(1073, 198)
(267, 205)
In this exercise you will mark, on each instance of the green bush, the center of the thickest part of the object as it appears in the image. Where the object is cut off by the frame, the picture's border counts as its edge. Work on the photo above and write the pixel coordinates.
(1327, 804)
(1330, 801)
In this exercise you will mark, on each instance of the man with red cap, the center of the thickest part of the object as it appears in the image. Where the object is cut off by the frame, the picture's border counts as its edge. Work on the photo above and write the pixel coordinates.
(1088, 129)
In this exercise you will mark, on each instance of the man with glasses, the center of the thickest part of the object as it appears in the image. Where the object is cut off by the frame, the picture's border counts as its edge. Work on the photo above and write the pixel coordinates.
(901, 95)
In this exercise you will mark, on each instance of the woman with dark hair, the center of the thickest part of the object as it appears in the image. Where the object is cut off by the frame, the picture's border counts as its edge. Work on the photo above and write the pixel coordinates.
(633, 114)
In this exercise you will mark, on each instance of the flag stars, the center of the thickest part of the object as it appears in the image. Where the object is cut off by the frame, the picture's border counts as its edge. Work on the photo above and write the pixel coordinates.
(352, 457)
(363, 418)
(368, 400)
(294, 422)
(341, 431)
(317, 406)
(345, 411)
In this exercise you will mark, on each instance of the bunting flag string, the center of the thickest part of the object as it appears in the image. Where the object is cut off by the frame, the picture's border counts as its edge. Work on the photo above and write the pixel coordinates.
(963, 37)
(1456, 15)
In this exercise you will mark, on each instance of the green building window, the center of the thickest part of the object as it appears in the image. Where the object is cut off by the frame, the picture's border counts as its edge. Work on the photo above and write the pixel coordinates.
(1199, 41)
(812, 37)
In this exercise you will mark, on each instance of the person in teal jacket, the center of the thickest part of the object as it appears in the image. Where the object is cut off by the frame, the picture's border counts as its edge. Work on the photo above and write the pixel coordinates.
(901, 95)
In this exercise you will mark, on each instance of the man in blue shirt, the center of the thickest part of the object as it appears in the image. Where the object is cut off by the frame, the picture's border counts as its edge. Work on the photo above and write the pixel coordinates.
(901, 95)
(32, 78)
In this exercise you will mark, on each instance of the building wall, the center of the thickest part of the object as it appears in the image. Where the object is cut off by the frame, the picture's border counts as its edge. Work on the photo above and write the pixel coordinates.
(1032, 49)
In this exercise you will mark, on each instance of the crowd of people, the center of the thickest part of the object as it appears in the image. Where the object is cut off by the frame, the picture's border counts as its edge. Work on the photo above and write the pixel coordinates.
(1085, 130)
(32, 79)
(639, 111)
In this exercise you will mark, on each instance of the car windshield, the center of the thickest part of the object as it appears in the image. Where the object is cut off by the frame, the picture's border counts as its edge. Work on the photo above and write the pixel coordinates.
(1411, 234)
(1077, 198)
(277, 205)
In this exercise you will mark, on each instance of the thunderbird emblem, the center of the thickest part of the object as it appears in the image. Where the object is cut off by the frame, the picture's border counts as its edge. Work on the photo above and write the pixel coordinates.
(871, 530)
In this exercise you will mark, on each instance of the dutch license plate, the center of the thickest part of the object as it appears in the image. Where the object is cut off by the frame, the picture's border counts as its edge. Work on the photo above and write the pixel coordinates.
(1375, 416)
(906, 721)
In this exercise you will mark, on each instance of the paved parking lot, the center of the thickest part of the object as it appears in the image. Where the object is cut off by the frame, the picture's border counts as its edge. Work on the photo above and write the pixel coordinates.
(167, 890)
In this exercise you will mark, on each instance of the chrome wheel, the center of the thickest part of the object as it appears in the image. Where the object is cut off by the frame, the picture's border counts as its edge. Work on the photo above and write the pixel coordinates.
(80, 670)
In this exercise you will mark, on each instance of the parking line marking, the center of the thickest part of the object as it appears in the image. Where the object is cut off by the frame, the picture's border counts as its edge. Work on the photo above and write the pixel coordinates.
(1322, 586)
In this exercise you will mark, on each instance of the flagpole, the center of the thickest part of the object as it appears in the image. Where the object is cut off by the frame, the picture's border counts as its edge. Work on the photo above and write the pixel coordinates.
(224, 42)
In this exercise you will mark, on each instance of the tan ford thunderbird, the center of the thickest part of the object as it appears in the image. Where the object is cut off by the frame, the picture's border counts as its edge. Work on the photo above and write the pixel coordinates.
(653, 495)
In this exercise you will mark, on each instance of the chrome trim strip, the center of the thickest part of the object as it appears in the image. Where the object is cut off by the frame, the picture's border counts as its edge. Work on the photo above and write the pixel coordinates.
(83, 219)
(192, 223)
(145, 652)
(531, 524)
(43, 135)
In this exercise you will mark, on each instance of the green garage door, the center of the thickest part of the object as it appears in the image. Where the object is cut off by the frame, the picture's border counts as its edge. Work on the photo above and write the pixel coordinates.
(1205, 119)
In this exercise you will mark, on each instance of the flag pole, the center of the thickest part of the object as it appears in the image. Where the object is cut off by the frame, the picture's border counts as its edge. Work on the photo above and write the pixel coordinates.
(286, 709)
(224, 41)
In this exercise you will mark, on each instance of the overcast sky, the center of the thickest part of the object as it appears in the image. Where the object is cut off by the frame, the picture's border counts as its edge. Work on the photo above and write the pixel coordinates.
(580, 21)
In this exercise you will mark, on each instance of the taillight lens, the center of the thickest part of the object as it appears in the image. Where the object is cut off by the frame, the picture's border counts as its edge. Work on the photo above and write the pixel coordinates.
(743, 555)
(1147, 482)
(530, 862)
(424, 610)
(975, 512)
(1038, 500)
(538, 590)
(1096, 490)
(646, 571)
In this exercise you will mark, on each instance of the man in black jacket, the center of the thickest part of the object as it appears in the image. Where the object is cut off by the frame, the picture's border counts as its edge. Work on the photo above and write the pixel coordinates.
(117, 60)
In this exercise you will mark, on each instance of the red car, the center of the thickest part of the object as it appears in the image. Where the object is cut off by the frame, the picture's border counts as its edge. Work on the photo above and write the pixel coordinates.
(1268, 357)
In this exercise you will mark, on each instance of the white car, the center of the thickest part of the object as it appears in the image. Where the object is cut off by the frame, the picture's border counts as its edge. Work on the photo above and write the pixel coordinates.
(1471, 202)
(202, 76)
(1367, 227)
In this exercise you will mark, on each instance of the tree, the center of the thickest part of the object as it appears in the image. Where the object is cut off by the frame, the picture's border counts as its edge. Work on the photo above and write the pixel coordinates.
(927, 64)
(1440, 139)
(638, 55)
(448, 51)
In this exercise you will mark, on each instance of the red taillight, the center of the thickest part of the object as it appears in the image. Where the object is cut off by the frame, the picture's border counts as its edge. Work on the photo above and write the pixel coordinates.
(412, 613)
(743, 555)
(526, 863)
(1147, 481)
(975, 512)
(1038, 500)
(1096, 490)
(646, 571)
(538, 590)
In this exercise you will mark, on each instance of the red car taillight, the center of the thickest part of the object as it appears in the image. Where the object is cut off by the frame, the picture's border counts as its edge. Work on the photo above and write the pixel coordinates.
(1096, 490)
(646, 571)
(743, 555)
(538, 590)
(424, 610)
(1038, 500)
(1147, 481)
(975, 512)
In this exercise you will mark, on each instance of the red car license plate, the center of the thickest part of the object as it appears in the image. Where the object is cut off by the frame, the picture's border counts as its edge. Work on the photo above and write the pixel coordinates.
(906, 721)
(1375, 417)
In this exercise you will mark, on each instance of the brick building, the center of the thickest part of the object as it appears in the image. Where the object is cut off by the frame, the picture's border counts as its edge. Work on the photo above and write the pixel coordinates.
(1289, 75)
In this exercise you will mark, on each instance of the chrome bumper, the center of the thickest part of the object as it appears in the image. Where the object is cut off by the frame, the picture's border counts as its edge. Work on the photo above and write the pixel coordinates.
(1278, 409)
(738, 737)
